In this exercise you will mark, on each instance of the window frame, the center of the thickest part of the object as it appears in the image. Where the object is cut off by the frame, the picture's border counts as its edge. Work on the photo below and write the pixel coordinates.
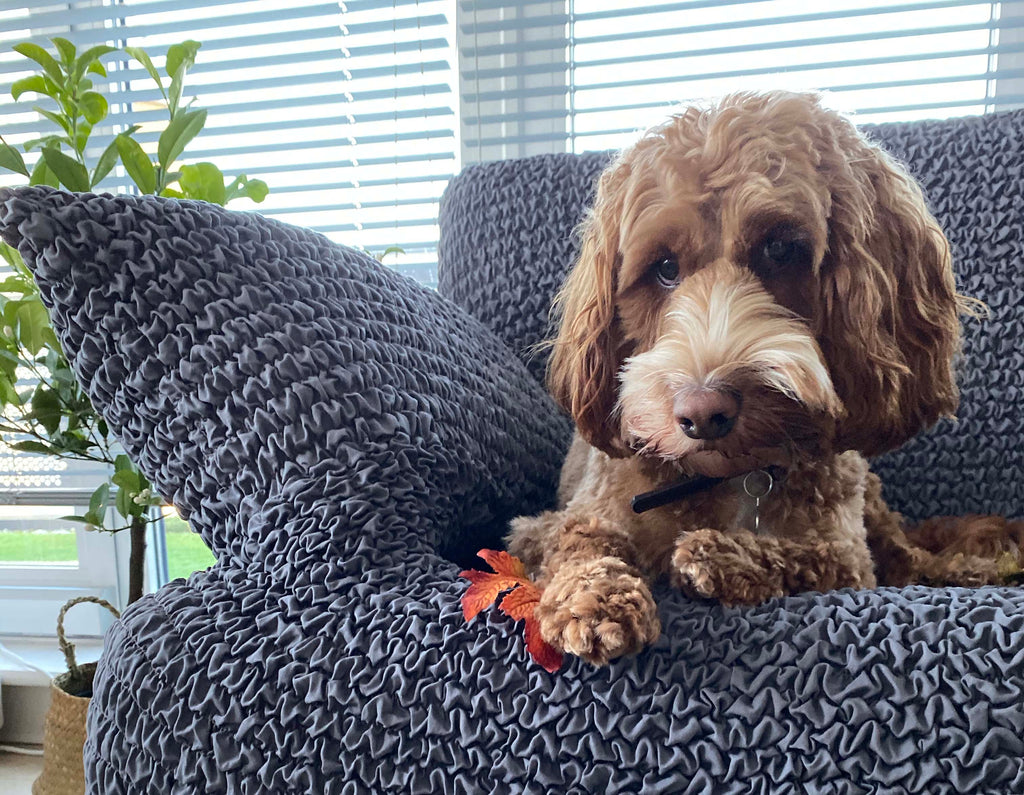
(33, 588)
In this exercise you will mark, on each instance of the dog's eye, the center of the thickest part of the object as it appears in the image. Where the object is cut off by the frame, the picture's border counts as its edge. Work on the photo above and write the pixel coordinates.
(666, 270)
(781, 249)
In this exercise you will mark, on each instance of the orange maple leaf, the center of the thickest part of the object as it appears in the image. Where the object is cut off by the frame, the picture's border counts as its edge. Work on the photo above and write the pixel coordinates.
(519, 602)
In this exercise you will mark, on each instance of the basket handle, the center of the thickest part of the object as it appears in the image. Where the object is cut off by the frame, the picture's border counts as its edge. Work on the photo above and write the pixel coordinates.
(67, 646)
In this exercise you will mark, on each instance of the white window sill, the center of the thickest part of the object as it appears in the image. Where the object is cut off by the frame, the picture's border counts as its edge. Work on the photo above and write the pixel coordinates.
(44, 653)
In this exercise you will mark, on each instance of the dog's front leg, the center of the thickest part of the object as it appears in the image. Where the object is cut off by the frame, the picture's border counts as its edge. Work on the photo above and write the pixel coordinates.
(595, 603)
(741, 568)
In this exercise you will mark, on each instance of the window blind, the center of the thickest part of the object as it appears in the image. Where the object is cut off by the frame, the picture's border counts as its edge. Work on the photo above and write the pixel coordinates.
(587, 74)
(346, 110)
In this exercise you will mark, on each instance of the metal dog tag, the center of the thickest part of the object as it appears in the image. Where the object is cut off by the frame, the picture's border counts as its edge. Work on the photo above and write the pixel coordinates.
(758, 485)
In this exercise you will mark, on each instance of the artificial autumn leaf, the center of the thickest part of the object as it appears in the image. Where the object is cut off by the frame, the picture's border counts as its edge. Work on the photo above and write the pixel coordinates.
(519, 602)
(485, 588)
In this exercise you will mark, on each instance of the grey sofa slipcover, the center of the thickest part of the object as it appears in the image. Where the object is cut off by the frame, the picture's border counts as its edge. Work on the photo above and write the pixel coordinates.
(339, 436)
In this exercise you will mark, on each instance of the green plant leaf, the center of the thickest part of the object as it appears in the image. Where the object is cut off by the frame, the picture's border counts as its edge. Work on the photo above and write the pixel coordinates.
(108, 159)
(255, 189)
(41, 175)
(69, 171)
(82, 137)
(137, 163)
(174, 92)
(14, 284)
(386, 252)
(46, 409)
(47, 140)
(66, 50)
(63, 376)
(171, 193)
(143, 58)
(56, 118)
(13, 259)
(37, 83)
(89, 57)
(10, 313)
(33, 447)
(176, 136)
(203, 181)
(95, 518)
(43, 58)
(50, 338)
(180, 58)
(179, 55)
(93, 106)
(8, 397)
(11, 361)
(123, 462)
(32, 319)
(127, 479)
(10, 255)
(104, 164)
(73, 443)
(97, 68)
(125, 503)
(75, 518)
(100, 498)
(11, 159)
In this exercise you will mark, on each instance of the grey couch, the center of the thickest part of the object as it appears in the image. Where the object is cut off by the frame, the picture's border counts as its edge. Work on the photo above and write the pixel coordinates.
(339, 436)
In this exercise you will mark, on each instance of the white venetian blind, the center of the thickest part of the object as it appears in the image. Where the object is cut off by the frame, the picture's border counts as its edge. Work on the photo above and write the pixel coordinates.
(345, 109)
(587, 74)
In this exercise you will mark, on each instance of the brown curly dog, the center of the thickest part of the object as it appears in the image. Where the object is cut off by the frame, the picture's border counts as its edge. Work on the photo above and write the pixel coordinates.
(760, 293)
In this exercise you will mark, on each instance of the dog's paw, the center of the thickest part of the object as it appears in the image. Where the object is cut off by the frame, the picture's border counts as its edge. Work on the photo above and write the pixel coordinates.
(971, 571)
(598, 610)
(711, 564)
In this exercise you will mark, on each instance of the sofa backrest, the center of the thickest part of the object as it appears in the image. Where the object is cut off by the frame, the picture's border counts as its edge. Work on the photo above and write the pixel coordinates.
(508, 237)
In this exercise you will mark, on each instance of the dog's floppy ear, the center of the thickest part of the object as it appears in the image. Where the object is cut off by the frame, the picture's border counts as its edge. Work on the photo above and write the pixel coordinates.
(585, 360)
(888, 324)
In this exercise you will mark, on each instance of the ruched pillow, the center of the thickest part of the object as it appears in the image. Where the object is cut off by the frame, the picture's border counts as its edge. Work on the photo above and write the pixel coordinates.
(338, 435)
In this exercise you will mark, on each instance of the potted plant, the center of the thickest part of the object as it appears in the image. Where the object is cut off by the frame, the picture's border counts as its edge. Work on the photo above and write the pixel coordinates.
(44, 410)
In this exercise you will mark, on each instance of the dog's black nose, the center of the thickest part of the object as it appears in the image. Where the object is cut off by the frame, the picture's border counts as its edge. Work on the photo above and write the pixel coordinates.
(707, 413)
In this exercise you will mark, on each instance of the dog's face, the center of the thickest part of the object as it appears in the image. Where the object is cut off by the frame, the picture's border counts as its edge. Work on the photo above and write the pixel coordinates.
(757, 284)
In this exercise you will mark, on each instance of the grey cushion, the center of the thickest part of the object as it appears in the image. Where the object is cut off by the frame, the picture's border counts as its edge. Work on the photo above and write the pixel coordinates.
(331, 429)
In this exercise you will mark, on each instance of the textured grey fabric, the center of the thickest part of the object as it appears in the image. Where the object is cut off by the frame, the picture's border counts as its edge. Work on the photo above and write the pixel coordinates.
(328, 426)
(972, 171)
(507, 240)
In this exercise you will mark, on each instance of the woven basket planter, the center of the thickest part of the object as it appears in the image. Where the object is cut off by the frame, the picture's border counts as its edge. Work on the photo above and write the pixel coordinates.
(64, 731)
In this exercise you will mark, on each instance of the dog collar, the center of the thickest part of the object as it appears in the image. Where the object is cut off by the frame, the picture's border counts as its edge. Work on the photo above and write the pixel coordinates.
(674, 492)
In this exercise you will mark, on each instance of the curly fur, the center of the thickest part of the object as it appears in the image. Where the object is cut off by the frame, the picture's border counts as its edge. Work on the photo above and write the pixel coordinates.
(842, 350)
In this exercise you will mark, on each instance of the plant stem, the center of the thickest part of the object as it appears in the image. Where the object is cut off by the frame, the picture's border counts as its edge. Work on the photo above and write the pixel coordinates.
(137, 558)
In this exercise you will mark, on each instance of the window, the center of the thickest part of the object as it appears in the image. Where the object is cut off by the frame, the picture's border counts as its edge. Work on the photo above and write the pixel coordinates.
(346, 110)
(588, 74)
